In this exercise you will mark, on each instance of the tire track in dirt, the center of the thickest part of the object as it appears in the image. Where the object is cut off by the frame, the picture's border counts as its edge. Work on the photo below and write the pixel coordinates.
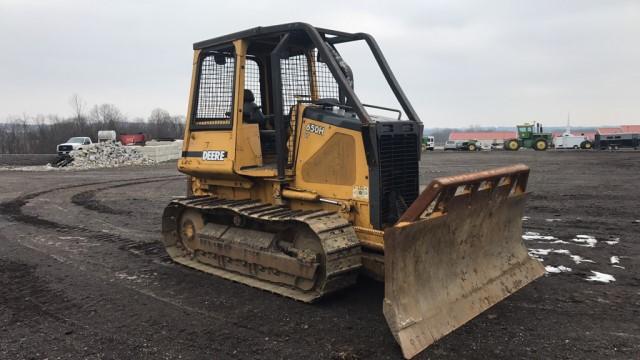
(87, 199)
(13, 211)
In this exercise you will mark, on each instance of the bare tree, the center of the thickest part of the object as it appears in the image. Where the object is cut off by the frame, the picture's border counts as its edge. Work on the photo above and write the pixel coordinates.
(106, 114)
(178, 125)
(161, 123)
(159, 115)
(78, 105)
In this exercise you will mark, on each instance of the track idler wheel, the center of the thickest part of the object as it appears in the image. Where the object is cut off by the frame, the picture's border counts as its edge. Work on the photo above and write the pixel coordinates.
(190, 224)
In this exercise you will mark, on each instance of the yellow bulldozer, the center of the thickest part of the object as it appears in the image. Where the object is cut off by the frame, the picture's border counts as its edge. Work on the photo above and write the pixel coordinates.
(297, 188)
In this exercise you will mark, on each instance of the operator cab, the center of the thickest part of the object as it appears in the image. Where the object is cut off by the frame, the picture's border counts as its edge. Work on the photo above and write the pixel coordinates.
(263, 75)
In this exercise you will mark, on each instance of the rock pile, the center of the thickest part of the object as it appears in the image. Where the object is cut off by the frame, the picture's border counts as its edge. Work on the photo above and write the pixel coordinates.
(107, 155)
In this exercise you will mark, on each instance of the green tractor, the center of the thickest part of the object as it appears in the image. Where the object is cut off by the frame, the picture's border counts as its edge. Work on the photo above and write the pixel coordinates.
(471, 145)
(530, 136)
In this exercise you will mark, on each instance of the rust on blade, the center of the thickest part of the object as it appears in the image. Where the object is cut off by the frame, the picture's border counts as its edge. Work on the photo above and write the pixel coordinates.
(457, 251)
(443, 189)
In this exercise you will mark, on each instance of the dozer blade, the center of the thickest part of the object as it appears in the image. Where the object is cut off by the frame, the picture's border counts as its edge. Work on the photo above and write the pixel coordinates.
(454, 253)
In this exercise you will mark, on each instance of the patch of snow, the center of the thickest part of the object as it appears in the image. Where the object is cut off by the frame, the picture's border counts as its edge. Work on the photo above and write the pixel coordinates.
(530, 235)
(29, 168)
(559, 242)
(537, 253)
(126, 276)
(579, 259)
(601, 277)
(543, 252)
(587, 240)
(135, 278)
(525, 218)
(546, 252)
(615, 260)
(556, 270)
(613, 241)
(552, 220)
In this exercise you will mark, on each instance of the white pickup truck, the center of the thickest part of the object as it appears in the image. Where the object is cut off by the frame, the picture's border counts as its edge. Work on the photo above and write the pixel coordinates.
(570, 141)
(74, 143)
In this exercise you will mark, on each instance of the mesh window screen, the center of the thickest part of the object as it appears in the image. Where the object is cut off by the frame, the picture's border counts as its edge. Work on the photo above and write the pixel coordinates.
(252, 79)
(215, 92)
(296, 85)
(295, 81)
(325, 82)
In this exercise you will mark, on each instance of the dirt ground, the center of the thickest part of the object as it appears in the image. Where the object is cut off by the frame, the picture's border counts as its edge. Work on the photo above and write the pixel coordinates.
(82, 275)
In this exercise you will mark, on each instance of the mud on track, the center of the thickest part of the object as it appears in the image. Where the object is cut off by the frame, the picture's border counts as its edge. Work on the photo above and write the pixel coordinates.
(83, 276)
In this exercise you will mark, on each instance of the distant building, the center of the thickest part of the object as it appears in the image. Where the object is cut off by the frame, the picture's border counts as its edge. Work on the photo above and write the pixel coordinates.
(622, 129)
(608, 130)
(634, 129)
(624, 136)
(485, 138)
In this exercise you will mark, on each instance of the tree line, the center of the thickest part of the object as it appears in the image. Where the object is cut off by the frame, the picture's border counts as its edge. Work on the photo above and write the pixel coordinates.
(40, 134)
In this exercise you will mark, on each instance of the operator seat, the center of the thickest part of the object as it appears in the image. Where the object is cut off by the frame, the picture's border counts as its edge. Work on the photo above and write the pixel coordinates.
(252, 114)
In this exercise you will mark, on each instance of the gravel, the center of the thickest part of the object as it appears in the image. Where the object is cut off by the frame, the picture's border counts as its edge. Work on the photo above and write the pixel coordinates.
(107, 155)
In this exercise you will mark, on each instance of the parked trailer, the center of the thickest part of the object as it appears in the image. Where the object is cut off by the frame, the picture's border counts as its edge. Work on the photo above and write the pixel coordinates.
(107, 136)
(617, 141)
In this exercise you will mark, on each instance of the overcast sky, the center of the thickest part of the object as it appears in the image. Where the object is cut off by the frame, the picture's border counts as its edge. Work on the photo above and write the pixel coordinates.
(460, 62)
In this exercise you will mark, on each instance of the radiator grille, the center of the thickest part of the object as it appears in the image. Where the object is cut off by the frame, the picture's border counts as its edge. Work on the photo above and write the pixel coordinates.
(398, 173)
